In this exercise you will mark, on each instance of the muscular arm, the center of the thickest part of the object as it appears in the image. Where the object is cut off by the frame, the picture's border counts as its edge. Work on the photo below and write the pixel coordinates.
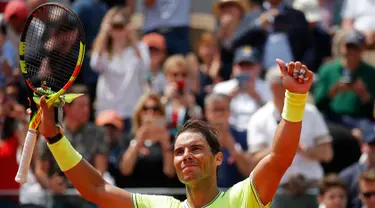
(273, 166)
(93, 187)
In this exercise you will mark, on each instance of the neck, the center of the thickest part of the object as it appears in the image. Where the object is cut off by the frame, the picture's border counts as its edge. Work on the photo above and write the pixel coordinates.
(119, 45)
(71, 124)
(201, 194)
(351, 65)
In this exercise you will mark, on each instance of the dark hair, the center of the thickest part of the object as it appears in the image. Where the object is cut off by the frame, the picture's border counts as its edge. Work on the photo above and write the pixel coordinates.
(209, 133)
(331, 181)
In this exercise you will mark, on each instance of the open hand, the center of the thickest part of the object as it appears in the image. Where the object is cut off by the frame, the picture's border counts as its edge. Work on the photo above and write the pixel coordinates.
(296, 77)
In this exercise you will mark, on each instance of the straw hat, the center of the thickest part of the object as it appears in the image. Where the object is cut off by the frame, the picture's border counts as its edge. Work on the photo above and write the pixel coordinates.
(240, 3)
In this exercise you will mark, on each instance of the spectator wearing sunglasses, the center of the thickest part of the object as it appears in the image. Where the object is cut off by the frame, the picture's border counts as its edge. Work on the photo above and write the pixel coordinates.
(352, 175)
(367, 188)
(148, 148)
(122, 62)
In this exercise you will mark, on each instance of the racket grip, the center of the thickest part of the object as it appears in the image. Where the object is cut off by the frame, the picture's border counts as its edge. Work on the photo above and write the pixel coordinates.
(27, 154)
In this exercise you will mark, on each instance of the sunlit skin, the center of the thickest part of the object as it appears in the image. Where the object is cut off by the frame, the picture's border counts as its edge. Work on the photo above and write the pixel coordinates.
(335, 197)
(194, 161)
(196, 166)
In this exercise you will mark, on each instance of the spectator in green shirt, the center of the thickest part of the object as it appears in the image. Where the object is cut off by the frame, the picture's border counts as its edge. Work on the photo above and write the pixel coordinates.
(345, 89)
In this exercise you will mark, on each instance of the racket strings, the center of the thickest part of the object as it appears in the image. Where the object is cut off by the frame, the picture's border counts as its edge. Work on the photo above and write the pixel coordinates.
(52, 47)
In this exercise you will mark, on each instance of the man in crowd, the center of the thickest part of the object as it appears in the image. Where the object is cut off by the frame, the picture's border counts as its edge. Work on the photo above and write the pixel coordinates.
(247, 90)
(345, 89)
(236, 164)
(351, 175)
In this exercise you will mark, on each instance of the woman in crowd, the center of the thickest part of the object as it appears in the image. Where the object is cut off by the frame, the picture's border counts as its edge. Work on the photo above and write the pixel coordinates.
(148, 148)
(178, 98)
(122, 62)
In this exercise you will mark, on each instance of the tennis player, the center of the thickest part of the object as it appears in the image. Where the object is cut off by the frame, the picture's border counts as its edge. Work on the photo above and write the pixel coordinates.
(196, 159)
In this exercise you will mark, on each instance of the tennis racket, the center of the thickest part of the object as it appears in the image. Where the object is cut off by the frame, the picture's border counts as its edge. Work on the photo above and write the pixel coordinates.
(51, 53)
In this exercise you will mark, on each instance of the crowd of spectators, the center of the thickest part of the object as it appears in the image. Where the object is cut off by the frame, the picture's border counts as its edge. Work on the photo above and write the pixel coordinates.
(141, 84)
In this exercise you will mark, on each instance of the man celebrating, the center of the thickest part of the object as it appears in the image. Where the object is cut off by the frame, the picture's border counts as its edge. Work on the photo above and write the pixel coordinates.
(196, 158)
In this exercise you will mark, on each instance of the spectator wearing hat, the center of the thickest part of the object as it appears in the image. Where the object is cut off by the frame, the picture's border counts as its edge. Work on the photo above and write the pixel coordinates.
(235, 30)
(15, 14)
(247, 90)
(299, 185)
(351, 175)
(345, 89)
(158, 52)
(114, 126)
(321, 35)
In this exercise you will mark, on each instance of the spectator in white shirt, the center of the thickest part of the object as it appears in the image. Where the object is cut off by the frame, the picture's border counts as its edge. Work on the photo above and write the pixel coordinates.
(299, 185)
(122, 62)
(247, 90)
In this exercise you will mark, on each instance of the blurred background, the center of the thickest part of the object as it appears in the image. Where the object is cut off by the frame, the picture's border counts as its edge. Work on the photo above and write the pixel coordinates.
(151, 65)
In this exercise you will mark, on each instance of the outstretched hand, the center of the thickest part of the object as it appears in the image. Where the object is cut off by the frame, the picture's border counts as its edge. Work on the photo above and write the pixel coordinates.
(295, 76)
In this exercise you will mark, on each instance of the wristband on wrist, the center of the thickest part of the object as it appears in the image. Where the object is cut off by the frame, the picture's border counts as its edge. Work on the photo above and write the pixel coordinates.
(294, 106)
(56, 138)
(64, 153)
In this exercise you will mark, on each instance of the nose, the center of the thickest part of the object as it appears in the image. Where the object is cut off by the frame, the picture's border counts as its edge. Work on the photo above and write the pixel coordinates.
(187, 156)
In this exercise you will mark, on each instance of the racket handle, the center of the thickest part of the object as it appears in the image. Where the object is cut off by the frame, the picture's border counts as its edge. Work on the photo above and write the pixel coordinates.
(27, 154)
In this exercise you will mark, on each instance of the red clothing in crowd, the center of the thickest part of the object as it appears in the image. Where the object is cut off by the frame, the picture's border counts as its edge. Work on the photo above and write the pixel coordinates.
(9, 164)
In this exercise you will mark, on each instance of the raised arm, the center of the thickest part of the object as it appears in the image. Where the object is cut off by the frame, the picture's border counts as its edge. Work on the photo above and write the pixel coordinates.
(84, 177)
(268, 173)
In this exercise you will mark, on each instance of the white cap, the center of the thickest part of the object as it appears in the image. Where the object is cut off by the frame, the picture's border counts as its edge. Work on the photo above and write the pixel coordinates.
(310, 8)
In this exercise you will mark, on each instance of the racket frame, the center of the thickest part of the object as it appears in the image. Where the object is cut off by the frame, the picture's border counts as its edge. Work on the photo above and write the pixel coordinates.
(35, 120)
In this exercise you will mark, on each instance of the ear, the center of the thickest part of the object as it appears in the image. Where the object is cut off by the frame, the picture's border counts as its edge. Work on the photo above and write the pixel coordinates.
(219, 158)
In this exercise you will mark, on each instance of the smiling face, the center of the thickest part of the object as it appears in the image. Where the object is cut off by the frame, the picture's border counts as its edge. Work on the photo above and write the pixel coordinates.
(193, 158)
